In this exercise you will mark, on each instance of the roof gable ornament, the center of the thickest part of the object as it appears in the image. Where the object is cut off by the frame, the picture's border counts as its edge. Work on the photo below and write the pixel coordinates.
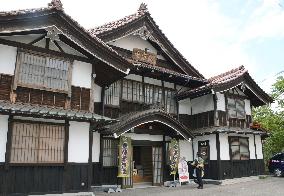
(56, 4)
(143, 7)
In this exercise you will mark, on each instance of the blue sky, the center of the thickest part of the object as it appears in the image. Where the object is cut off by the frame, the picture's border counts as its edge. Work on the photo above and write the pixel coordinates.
(214, 35)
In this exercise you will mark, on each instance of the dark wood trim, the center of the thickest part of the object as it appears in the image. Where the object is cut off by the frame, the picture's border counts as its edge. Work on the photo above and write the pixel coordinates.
(43, 50)
(143, 88)
(36, 122)
(163, 94)
(219, 163)
(9, 142)
(66, 141)
(47, 42)
(103, 100)
(90, 160)
(254, 146)
(58, 46)
(146, 143)
(37, 39)
(164, 153)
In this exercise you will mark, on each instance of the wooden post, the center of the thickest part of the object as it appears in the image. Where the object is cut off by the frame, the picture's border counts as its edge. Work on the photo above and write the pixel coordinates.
(103, 100)
(90, 160)
(65, 171)
(254, 146)
(219, 164)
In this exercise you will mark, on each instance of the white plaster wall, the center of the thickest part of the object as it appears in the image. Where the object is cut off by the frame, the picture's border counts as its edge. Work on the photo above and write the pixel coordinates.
(212, 143)
(258, 144)
(169, 85)
(134, 77)
(81, 74)
(134, 41)
(224, 146)
(247, 107)
(186, 149)
(251, 146)
(202, 104)
(97, 93)
(8, 56)
(3, 136)
(78, 146)
(148, 137)
(184, 106)
(221, 104)
(152, 81)
(96, 147)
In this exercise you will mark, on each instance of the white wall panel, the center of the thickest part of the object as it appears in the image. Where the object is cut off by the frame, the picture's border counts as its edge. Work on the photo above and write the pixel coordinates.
(144, 137)
(202, 104)
(78, 146)
(224, 146)
(251, 146)
(186, 149)
(169, 85)
(152, 81)
(81, 74)
(97, 93)
(221, 104)
(3, 136)
(247, 107)
(212, 143)
(184, 106)
(96, 147)
(258, 144)
(134, 77)
(8, 56)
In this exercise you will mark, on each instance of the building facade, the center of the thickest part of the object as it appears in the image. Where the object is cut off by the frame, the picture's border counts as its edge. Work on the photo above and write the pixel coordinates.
(67, 95)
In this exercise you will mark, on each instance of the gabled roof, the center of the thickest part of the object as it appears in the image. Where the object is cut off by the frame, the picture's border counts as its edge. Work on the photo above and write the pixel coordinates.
(134, 119)
(132, 23)
(54, 15)
(225, 81)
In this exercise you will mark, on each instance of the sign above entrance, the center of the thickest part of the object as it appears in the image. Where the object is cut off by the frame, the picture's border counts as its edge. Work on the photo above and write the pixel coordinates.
(144, 56)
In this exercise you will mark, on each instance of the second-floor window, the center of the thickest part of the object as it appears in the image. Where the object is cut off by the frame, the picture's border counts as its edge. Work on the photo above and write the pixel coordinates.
(112, 94)
(44, 72)
(236, 108)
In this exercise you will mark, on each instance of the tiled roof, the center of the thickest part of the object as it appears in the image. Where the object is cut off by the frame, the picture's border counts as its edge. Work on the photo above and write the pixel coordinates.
(50, 112)
(144, 13)
(121, 22)
(57, 5)
(225, 81)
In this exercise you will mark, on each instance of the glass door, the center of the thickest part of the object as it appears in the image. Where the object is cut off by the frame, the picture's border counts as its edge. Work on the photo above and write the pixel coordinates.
(157, 156)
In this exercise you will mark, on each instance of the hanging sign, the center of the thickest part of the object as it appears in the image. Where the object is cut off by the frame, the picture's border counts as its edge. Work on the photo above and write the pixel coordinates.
(174, 155)
(183, 171)
(124, 157)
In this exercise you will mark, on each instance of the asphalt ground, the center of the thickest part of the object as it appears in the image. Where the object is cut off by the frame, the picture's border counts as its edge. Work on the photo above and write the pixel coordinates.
(260, 187)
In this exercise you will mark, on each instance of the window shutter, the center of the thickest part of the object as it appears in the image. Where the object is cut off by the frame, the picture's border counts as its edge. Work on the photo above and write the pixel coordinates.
(232, 108)
(240, 107)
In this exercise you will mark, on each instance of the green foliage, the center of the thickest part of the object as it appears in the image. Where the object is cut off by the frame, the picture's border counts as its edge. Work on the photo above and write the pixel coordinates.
(272, 119)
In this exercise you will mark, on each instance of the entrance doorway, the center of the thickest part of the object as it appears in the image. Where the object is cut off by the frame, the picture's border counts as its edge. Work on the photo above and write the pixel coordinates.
(143, 167)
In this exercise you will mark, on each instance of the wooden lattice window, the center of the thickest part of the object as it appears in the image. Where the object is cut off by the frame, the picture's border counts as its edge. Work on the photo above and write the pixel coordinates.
(132, 91)
(80, 98)
(110, 152)
(170, 101)
(112, 94)
(236, 108)
(42, 71)
(239, 148)
(37, 143)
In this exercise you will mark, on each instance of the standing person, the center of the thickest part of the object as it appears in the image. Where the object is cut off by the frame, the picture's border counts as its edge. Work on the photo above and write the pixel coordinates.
(199, 169)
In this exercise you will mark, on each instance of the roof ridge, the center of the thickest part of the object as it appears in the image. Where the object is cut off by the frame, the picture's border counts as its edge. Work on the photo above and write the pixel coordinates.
(240, 69)
(120, 22)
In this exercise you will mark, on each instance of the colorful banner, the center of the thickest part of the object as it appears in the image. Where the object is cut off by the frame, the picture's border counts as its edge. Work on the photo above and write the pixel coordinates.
(183, 171)
(124, 157)
(174, 155)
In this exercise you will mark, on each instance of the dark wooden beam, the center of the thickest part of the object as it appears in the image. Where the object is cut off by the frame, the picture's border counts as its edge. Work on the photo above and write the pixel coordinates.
(219, 163)
(65, 151)
(37, 31)
(37, 39)
(9, 142)
(58, 46)
(47, 41)
(43, 50)
(90, 166)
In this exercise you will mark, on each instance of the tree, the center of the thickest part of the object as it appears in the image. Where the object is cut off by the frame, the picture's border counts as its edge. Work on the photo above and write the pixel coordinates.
(272, 119)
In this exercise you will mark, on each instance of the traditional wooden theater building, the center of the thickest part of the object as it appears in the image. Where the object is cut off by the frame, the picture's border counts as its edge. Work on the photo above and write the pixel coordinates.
(67, 95)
